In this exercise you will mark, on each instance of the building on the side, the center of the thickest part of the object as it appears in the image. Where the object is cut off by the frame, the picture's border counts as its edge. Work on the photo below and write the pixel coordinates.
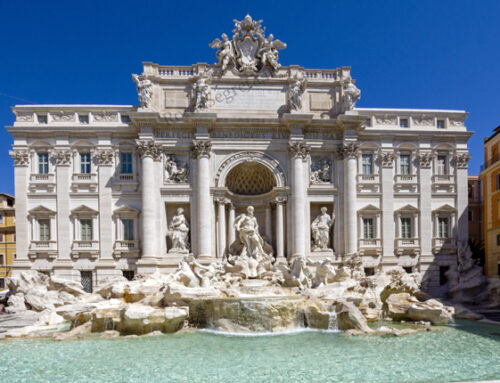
(109, 189)
(7, 236)
(491, 201)
(475, 210)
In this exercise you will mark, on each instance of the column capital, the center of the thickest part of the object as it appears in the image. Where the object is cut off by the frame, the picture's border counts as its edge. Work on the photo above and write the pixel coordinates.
(149, 148)
(348, 150)
(280, 200)
(386, 158)
(61, 157)
(299, 149)
(20, 157)
(202, 148)
(104, 157)
(461, 160)
(425, 159)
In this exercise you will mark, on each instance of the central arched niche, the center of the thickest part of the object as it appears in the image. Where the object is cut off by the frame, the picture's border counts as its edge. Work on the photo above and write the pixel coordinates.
(250, 178)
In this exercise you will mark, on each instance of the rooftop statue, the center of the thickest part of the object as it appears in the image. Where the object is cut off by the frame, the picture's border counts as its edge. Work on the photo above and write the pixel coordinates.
(249, 52)
(145, 91)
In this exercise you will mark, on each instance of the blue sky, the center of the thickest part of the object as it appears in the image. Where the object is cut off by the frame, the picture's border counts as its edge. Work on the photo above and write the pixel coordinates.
(403, 54)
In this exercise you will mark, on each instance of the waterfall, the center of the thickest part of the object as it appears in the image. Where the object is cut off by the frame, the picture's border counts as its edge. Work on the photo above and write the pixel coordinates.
(332, 319)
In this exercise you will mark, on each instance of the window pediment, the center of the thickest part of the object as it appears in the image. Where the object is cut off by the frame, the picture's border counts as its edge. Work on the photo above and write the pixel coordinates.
(407, 209)
(41, 211)
(369, 209)
(126, 211)
(84, 210)
(445, 209)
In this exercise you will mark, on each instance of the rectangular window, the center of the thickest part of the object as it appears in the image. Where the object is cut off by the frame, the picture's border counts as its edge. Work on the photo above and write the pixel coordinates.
(367, 164)
(440, 124)
(442, 168)
(498, 239)
(1, 218)
(44, 229)
(2, 259)
(128, 229)
(86, 280)
(406, 227)
(126, 162)
(83, 118)
(470, 215)
(2, 283)
(42, 118)
(85, 163)
(43, 163)
(403, 122)
(1, 237)
(368, 228)
(443, 227)
(498, 181)
(86, 229)
(404, 164)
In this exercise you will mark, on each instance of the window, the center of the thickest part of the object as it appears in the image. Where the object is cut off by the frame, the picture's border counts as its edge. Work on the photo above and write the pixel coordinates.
(443, 227)
(367, 163)
(86, 229)
(2, 259)
(369, 271)
(1, 237)
(442, 168)
(129, 274)
(498, 239)
(126, 161)
(440, 124)
(470, 191)
(43, 163)
(498, 181)
(42, 118)
(408, 269)
(2, 283)
(128, 229)
(470, 215)
(83, 118)
(406, 227)
(85, 163)
(125, 119)
(1, 218)
(498, 269)
(10, 202)
(403, 123)
(86, 279)
(404, 164)
(443, 279)
(368, 228)
(44, 229)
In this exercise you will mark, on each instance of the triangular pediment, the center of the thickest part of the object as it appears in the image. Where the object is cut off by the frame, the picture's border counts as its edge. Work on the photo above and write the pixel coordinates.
(41, 210)
(126, 210)
(83, 209)
(369, 209)
(445, 209)
(408, 208)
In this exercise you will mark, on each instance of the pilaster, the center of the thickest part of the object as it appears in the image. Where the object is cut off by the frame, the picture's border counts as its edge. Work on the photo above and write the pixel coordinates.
(386, 159)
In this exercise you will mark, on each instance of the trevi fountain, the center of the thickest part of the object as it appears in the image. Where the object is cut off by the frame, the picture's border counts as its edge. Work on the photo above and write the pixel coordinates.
(254, 301)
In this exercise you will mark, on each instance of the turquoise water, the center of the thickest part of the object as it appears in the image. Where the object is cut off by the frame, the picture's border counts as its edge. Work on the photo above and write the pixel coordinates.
(469, 351)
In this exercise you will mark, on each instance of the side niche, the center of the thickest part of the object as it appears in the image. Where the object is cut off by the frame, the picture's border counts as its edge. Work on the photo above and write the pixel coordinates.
(178, 236)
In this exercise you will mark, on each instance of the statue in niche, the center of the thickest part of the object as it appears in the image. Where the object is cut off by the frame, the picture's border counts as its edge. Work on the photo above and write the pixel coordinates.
(201, 92)
(248, 229)
(320, 171)
(351, 95)
(144, 90)
(175, 171)
(320, 228)
(178, 232)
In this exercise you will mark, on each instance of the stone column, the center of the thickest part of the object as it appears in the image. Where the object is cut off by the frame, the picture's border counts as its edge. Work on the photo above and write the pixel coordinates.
(202, 150)
(269, 229)
(280, 243)
(231, 232)
(424, 159)
(461, 160)
(221, 203)
(104, 159)
(62, 159)
(149, 152)
(386, 159)
(349, 152)
(21, 161)
(299, 152)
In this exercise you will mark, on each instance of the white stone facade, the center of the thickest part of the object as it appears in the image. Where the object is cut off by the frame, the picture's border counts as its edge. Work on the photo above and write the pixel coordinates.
(97, 185)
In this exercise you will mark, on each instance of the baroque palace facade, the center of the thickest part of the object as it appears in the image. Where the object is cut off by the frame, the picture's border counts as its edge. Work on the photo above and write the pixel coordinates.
(103, 190)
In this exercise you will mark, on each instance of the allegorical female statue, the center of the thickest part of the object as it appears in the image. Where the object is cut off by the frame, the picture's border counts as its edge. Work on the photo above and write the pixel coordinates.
(248, 229)
(320, 228)
(178, 232)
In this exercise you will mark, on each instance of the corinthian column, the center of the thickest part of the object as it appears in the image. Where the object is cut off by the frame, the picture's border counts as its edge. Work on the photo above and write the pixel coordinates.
(222, 226)
(280, 243)
(299, 152)
(149, 152)
(202, 150)
(231, 232)
(349, 153)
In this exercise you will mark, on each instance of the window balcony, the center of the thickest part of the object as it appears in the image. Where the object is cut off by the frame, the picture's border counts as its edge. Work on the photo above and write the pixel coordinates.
(126, 247)
(126, 177)
(48, 248)
(443, 183)
(42, 182)
(405, 182)
(407, 246)
(368, 182)
(125, 182)
(444, 245)
(82, 182)
(370, 246)
(81, 247)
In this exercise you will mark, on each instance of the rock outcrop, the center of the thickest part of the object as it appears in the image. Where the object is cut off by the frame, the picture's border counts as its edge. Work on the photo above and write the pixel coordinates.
(403, 306)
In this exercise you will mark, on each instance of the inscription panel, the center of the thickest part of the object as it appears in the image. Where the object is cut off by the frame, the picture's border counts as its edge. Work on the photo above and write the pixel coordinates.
(248, 98)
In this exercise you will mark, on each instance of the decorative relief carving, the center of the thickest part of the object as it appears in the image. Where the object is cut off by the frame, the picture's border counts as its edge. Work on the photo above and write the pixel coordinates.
(387, 159)
(454, 122)
(349, 150)
(175, 170)
(25, 117)
(148, 149)
(423, 121)
(461, 160)
(249, 52)
(202, 148)
(63, 117)
(386, 120)
(295, 92)
(61, 157)
(104, 157)
(299, 149)
(320, 170)
(351, 95)
(144, 91)
(425, 159)
(20, 157)
(105, 116)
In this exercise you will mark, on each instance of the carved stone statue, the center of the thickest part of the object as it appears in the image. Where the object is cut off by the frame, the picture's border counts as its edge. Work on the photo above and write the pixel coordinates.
(320, 228)
(320, 171)
(351, 95)
(225, 54)
(201, 92)
(144, 90)
(248, 229)
(178, 232)
(175, 171)
(295, 91)
(269, 52)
